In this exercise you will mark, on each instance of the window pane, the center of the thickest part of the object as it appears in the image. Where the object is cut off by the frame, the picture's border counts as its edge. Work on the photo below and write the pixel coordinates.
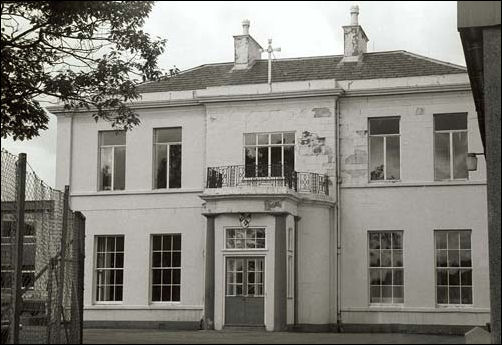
(387, 277)
(168, 135)
(375, 293)
(384, 126)
(176, 242)
(157, 260)
(374, 240)
(175, 166)
(175, 293)
(375, 276)
(397, 240)
(453, 277)
(465, 240)
(442, 295)
(119, 168)
(443, 122)
(442, 156)
(466, 295)
(289, 138)
(453, 258)
(167, 259)
(465, 258)
(112, 137)
(386, 238)
(460, 155)
(276, 160)
(442, 277)
(397, 258)
(157, 242)
(453, 240)
(161, 166)
(397, 277)
(386, 257)
(250, 161)
(262, 161)
(263, 139)
(250, 139)
(454, 295)
(466, 277)
(289, 159)
(392, 158)
(376, 158)
(441, 240)
(386, 294)
(442, 258)
(398, 294)
(176, 259)
(106, 168)
(276, 138)
(157, 276)
(119, 244)
(374, 258)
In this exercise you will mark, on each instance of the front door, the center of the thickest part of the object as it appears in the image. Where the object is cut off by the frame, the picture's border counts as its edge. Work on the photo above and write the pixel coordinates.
(244, 302)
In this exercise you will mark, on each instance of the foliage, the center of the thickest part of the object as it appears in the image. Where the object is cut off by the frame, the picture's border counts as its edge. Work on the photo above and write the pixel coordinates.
(89, 55)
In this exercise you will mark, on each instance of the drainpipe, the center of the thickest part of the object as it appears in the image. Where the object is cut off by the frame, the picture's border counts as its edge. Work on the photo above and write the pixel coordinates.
(338, 215)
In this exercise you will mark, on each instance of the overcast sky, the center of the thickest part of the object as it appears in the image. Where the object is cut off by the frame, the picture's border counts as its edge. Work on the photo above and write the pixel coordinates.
(200, 33)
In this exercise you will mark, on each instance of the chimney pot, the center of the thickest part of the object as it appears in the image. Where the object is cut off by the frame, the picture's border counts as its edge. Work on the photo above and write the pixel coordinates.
(354, 13)
(245, 26)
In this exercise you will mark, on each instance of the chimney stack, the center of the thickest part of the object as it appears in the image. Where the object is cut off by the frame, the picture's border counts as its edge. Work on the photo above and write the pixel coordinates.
(246, 49)
(355, 40)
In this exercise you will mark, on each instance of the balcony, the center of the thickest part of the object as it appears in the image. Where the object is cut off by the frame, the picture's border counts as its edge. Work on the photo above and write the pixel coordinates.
(267, 176)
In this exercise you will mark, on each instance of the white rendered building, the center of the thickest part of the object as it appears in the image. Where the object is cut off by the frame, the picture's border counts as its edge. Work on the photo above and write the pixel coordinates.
(334, 197)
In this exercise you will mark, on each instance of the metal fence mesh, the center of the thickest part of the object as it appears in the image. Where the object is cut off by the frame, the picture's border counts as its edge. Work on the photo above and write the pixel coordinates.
(50, 307)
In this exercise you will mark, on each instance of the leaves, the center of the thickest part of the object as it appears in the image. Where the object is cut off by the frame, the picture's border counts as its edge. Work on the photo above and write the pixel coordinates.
(86, 54)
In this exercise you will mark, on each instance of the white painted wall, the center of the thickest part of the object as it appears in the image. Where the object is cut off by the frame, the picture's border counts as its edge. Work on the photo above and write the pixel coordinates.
(417, 205)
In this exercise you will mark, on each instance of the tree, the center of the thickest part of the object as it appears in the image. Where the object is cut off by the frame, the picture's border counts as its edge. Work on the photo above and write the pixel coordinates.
(89, 55)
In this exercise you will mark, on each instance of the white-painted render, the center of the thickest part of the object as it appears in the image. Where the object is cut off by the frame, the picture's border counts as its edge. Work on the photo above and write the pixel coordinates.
(213, 122)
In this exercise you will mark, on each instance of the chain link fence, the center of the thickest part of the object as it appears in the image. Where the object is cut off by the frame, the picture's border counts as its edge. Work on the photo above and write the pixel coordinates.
(42, 252)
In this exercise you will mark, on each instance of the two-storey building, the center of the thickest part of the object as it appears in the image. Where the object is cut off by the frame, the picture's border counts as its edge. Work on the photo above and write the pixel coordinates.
(335, 194)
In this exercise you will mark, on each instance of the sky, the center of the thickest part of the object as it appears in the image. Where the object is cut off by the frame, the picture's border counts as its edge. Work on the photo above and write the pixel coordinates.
(202, 32)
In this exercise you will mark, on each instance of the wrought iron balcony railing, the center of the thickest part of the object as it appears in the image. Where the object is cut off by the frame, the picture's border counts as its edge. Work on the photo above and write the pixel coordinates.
(267, 175)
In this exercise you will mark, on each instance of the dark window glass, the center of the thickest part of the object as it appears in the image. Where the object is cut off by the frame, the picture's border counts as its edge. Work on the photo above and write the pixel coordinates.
(166, 268)
(447, 122)
(384, 126)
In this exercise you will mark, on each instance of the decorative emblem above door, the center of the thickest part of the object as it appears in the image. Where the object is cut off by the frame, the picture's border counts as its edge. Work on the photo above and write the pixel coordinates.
(245, 219)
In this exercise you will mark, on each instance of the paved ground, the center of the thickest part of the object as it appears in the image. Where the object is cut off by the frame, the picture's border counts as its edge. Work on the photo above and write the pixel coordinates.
(149, 336)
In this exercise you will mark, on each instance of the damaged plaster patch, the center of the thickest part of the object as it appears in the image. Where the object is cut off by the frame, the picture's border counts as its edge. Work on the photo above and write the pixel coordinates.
(322, 112)
(271, 204)
(311, 144)
(359, 157)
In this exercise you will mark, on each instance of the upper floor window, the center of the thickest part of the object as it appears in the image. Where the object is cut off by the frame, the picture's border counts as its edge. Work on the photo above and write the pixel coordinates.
(384, 148)
(450, 146)
(269, 154)
(167, 153)
(112, 155)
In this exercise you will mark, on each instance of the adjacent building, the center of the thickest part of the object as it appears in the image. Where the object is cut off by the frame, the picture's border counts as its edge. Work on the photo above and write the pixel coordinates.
(332, 195)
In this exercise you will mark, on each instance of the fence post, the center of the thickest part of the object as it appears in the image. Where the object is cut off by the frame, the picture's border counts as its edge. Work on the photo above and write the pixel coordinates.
(78, 256)
(64, 230)
(17, 253)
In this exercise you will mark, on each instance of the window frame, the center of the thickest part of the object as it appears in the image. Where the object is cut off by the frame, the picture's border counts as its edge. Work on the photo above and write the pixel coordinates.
(452, 305)
(384, 136)
(269, 158)
(225, 237)
(369, 267)
(151, 268)
(168, 152)
(450, 143)
(113, 147)
(95, 269)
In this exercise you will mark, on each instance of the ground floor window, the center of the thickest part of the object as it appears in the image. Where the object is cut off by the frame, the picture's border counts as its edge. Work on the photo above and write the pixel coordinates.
(453, 267)
(386, 267)
(109, 268)
(166, 268)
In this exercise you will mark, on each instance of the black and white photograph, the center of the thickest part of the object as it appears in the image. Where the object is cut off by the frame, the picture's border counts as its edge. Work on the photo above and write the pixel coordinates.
(250, 172)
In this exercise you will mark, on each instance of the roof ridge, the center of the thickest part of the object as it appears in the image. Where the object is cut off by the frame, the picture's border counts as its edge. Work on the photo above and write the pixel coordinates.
(423, 57)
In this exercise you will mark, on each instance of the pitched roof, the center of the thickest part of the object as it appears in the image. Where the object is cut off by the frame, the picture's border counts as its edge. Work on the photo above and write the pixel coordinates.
(392, 64)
